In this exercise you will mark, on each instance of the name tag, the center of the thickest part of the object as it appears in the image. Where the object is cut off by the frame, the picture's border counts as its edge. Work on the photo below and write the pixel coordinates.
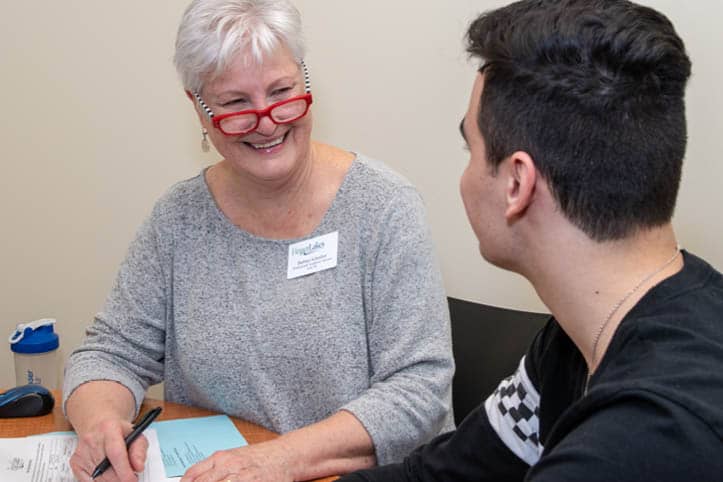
(313, 255)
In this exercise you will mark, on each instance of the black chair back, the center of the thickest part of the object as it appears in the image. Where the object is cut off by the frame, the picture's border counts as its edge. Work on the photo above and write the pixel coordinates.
(488, 344)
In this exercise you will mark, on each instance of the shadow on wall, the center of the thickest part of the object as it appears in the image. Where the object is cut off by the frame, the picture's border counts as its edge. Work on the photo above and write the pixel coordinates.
(155, 391)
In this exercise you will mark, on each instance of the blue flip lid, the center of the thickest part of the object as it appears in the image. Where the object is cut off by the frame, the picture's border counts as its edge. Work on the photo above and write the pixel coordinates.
(34, 337)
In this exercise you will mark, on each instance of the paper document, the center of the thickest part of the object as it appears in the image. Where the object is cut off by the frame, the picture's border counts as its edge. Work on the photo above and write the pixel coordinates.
(173, 447)
(44, 458)
(186, 441)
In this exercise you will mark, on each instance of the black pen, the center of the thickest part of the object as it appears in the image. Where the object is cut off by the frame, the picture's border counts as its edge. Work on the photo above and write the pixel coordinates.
(137, 430)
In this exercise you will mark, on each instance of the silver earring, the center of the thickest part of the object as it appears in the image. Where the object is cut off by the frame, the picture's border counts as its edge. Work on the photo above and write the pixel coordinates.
(204, 142)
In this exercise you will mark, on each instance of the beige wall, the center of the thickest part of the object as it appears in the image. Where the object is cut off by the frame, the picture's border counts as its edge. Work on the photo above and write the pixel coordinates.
(94, 127)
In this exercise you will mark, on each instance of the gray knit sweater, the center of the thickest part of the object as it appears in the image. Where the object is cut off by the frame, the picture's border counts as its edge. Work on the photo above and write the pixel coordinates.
(207, 308)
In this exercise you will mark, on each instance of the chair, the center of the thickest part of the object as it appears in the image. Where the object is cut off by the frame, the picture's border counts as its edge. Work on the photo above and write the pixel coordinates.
(488, 343)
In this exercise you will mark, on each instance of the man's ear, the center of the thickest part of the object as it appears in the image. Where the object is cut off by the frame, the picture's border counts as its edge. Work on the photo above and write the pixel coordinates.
(190, 95)
(520, 189)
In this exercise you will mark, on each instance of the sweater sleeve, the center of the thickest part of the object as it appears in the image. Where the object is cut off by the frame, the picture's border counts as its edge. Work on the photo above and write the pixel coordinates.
(498, 441)
(472, 453)
(125, 343)
(408, 335)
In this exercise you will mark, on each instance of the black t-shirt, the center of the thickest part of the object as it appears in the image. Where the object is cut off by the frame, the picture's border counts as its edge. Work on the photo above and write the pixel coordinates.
(653, 410)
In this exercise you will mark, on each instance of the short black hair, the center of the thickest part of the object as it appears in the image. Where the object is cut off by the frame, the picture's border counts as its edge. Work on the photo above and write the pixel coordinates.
(593, 90)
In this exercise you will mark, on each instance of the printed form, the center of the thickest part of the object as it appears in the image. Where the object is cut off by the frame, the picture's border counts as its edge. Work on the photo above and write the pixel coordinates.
(44, 458)
(173, 446)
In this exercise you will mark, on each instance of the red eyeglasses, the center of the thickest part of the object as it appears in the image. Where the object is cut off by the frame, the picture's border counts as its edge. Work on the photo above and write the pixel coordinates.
(245, 121)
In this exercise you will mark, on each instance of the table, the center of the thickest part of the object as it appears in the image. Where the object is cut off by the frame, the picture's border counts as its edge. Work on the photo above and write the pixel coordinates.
(56, 422)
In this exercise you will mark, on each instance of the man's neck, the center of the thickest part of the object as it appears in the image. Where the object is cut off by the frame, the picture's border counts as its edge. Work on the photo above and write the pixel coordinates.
(590, 286)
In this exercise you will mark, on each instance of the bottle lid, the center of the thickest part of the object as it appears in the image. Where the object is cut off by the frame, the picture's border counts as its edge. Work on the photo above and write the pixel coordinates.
(34, 337)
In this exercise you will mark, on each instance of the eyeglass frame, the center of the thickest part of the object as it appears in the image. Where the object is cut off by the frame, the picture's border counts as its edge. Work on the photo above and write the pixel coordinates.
(260, 113)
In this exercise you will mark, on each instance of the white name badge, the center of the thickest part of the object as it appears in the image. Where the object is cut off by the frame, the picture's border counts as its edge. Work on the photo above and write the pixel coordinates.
(313, 255)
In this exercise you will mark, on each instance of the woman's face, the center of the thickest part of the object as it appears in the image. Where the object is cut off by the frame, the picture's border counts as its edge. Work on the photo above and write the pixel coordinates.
(271, 152)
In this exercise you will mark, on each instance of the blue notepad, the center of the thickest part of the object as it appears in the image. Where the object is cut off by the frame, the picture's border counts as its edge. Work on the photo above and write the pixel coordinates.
(189, 440)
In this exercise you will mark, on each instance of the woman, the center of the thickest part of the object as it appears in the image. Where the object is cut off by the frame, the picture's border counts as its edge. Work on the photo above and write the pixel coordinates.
(292, 284)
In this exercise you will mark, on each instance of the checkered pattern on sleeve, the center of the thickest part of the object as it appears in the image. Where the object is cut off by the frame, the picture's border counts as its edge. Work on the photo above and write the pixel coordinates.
(514, 412)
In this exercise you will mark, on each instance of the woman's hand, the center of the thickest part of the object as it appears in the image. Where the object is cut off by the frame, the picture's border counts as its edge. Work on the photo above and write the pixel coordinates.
(264, 462)
(107, 438)
(100, 412)
(338, 444)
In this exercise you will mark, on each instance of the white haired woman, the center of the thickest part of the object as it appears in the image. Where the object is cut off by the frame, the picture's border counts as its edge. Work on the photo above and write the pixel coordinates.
(291, 284)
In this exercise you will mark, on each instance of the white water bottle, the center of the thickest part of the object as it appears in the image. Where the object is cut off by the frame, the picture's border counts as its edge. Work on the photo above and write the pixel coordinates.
(35, 346)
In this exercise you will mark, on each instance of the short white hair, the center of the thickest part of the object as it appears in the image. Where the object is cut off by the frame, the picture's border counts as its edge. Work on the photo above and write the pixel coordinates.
(213, 32)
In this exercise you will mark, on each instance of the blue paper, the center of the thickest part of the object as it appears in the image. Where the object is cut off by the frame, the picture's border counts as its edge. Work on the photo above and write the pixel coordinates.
(187, 441)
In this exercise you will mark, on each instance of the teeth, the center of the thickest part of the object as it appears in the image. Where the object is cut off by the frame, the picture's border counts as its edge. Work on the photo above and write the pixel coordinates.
(273, 143)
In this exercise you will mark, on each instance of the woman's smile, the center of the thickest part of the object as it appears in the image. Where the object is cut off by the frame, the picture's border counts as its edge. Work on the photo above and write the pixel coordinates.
(271, 146)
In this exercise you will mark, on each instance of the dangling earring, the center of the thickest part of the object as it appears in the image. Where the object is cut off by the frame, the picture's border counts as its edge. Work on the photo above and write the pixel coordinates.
(204, 142)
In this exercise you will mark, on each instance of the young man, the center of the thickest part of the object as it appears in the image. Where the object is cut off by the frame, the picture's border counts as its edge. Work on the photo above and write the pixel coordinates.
(576, 131)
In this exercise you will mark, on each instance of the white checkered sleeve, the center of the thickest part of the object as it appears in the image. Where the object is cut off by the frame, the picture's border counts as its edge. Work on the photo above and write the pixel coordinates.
(513, 411)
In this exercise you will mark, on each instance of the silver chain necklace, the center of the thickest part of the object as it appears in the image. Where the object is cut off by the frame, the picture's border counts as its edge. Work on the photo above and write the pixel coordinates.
(617, 307)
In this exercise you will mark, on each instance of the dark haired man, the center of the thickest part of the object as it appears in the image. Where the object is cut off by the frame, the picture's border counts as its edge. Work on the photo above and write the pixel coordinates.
(576, 131)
